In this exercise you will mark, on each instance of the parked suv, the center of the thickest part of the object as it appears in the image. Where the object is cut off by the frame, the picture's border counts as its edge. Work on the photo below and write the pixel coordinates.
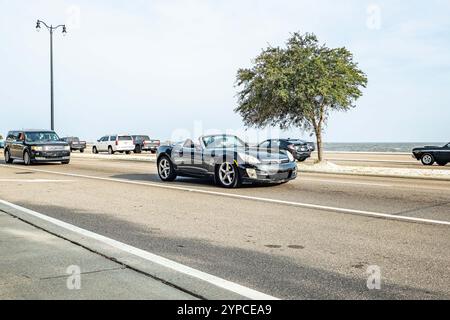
(114, 143)
(301, 150)
(75, 143)
(36, 146)
(144, 143)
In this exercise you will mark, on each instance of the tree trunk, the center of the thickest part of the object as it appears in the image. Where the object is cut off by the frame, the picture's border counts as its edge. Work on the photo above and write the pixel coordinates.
(318, 130)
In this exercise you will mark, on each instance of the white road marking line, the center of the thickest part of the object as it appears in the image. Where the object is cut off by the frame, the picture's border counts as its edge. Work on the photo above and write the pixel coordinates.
(219, 282)
(268, 200)
(34, 180)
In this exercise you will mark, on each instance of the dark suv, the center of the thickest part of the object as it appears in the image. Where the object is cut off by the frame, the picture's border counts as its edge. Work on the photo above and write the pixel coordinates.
(75, 143)
(301, 150)
(36, 146)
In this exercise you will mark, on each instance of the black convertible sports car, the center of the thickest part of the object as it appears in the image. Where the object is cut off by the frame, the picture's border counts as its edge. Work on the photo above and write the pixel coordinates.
(227, 159)
(431, 154)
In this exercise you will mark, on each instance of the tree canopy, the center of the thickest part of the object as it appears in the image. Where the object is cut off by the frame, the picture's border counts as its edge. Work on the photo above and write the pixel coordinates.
(298, 86)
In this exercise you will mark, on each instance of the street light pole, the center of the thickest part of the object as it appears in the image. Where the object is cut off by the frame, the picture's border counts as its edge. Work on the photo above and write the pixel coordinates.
(52, 102)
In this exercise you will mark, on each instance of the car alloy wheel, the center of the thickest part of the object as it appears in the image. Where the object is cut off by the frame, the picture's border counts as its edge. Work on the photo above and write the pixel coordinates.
(8, 156)
(165, 169)
(427, 159)
(27, 158)
(94, 150)
(227, 174)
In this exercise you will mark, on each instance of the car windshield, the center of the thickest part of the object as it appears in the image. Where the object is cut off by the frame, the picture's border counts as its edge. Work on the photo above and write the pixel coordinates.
(125, 138)
(223, 141)
(41, 136)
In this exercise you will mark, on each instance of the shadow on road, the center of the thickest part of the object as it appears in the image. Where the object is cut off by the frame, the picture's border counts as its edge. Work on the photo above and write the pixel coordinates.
(153, 177)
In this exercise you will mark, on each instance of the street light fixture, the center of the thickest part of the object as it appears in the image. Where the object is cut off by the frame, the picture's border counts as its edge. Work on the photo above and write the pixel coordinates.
(51, 29)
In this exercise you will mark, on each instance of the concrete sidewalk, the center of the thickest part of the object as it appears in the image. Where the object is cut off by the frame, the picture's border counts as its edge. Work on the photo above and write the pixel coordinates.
(35, 264)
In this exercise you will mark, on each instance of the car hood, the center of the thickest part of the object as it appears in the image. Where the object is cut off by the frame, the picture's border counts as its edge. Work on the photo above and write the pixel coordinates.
(261, 154)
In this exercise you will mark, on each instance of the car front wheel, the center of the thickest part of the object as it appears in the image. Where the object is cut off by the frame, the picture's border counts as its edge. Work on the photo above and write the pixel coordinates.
(165, 169)
(227, 175)
(26, 158)
(94, 150)
(427, 159)
(8, 158)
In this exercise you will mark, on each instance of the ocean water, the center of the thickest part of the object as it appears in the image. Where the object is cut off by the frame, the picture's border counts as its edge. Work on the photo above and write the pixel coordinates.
(378, 146)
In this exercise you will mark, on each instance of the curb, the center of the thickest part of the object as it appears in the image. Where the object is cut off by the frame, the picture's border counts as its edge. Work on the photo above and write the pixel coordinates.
(376, 175)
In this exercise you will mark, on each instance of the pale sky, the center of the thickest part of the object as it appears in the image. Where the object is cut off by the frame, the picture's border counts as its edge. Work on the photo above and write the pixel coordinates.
(167, 68)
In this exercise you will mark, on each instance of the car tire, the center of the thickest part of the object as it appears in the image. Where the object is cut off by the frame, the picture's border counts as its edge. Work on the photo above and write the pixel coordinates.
(442, 163)
(65, 162)
(110, 150)
(166, 170)
(81, 150)
(227, 175)
(8, 158)
(128, 152)
(302, 159)
(27, 158)
(137, 149)
(427, 159)
(153, 151)
(94, 150)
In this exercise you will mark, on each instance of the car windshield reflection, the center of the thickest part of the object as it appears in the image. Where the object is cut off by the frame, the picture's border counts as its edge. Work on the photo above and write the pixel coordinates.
(223, 141)
(41, 137)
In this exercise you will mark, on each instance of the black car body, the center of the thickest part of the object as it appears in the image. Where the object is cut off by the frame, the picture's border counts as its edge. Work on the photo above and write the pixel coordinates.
(227, 159)
(301, 150)
(75, 143)
(144, 143)
(36, 146)
(431, 154)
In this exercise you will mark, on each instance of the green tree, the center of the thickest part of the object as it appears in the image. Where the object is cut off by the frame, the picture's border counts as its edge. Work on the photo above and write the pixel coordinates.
(299, 86)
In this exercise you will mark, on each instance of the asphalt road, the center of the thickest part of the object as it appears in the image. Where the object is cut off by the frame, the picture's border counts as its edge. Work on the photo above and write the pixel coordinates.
(281, 249)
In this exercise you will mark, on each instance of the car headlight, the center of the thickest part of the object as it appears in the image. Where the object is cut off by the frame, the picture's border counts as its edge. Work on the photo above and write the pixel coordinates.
(290, 156)
(67, 148)
(36, 148)
(249, 159)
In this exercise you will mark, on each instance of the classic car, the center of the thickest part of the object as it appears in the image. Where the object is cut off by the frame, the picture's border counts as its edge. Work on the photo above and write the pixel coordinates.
(432, 154)
(226, 159)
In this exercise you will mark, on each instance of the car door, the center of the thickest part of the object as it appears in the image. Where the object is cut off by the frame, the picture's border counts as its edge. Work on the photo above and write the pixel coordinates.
(188, 158)
(102, 144)
(18, 145)
(446, 153)
(111, 142)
